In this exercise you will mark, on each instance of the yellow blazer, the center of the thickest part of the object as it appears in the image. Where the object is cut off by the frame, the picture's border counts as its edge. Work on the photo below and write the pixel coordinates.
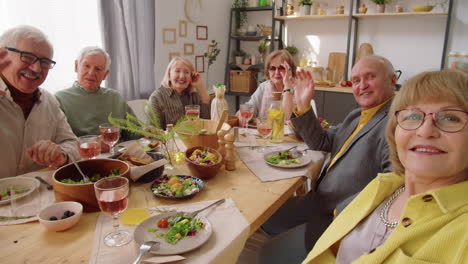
(432, 229)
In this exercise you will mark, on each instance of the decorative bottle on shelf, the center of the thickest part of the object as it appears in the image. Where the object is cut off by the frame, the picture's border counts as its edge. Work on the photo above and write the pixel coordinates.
(276, 113)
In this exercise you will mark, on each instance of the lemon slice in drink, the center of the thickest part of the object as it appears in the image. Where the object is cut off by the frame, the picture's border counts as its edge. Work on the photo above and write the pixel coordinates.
(134, 216)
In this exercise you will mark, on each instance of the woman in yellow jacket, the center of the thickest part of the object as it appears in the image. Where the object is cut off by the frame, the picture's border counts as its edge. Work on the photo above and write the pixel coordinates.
(418, 213)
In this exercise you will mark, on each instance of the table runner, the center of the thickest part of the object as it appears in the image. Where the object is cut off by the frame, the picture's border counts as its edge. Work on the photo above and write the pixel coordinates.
(254, 161)
(230, 232)
(41, 199)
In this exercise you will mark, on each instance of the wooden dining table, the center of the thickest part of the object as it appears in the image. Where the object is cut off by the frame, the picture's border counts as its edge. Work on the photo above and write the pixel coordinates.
(256, 200)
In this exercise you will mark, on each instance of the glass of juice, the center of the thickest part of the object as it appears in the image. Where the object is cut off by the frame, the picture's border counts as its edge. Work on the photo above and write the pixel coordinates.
(246, 113)
(109, 135)
(89, 146)
(112, 196)
(264, 128)
(192, 111)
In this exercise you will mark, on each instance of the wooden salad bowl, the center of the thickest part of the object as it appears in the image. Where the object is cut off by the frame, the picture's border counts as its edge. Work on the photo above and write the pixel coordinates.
(84, 193)
(203, 171)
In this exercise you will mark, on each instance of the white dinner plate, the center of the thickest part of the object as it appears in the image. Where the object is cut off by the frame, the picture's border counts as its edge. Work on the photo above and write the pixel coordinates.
(186, 244)
(17, 182)
(303, 161)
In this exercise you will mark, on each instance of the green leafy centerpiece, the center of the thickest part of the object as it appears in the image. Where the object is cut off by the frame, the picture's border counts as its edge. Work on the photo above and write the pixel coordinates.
(153, 130)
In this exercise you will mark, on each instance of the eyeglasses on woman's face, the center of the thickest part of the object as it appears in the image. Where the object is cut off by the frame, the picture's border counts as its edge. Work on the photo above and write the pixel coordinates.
(450, 120)
(279, 68)
(30, 58)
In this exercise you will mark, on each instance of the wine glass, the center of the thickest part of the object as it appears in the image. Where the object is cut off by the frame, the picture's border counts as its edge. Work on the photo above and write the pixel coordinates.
(110, 135)
(246, 113)
(112, 195)
(89, 146)
(264, 127)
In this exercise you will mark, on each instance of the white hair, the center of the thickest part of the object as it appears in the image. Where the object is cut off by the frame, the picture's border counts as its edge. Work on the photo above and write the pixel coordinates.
(91, 50)
(11, 37)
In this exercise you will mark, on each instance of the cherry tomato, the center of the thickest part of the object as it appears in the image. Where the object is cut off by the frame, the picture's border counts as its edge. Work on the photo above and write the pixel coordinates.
(163, 223)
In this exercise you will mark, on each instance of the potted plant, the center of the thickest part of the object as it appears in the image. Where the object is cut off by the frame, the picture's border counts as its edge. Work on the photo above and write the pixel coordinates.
(212, 53)
(304, 7)
(239, 56)
(380, 5)
(263, 46)
(293, 51)
(240, 16)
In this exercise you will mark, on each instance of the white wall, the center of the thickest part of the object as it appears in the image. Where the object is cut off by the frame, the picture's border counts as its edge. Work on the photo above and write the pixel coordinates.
(214, 15)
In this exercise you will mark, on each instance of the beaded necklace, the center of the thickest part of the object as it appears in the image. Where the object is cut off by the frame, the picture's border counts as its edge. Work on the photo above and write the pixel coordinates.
(385, 209)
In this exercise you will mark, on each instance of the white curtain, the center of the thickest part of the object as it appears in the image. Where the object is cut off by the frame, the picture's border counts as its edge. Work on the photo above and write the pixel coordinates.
(128, 34)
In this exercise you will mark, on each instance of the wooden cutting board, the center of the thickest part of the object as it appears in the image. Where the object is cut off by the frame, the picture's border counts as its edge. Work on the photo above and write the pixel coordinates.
(364, 50)
(336, 64)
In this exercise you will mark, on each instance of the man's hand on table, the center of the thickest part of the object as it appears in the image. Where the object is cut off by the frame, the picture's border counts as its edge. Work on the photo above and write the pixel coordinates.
(47, 153)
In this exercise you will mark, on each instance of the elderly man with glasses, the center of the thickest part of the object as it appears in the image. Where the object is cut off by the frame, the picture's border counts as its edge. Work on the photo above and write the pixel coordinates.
(34, 131)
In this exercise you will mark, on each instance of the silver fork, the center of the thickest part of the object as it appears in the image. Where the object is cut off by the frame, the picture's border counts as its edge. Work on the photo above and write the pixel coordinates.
(195, 213)
(144, 248)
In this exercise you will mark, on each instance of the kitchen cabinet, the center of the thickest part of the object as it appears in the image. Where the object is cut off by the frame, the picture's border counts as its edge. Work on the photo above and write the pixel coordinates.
(334, 106)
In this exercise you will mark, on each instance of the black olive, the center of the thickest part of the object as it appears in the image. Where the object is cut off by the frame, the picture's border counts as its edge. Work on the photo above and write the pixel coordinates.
(53, 218)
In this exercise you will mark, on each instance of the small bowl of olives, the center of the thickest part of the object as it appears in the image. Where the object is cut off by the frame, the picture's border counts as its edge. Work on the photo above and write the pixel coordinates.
(60, 216)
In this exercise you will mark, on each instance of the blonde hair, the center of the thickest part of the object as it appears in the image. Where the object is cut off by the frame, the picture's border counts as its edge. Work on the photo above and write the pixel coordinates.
(166, 82)
(285, 55)
(436, 86)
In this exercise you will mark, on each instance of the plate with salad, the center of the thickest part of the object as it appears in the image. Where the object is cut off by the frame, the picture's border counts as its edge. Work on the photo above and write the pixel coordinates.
(13, 188)
(175, 232)
(176, 186)
(284, 159)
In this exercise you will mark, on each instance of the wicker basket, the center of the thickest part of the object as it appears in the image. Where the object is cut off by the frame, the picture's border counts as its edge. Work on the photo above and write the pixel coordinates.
(243, 81)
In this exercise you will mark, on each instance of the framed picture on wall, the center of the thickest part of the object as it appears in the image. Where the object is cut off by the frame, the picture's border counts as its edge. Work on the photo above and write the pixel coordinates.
(169, 35)
(173, 54)
(202, 32)
(182, 28)
(200, 63)
(188, 48)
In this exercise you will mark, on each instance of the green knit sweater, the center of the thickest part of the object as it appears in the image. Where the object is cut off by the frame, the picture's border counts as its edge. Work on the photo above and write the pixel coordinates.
(85, 110)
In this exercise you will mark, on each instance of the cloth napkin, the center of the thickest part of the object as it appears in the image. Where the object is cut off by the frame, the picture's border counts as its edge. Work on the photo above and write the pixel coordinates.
(257, 165)
(31, 204)
(230, 232)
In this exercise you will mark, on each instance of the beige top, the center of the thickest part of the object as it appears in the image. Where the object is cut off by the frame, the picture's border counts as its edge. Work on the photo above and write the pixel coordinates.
(368, 235)
(45, 122)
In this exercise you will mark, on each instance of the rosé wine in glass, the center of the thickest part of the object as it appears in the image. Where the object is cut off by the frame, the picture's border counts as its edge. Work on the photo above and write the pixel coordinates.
(110, 135)
(246, 113)
(192, 111)
(89, 146)
(264, 127)
(112, 195)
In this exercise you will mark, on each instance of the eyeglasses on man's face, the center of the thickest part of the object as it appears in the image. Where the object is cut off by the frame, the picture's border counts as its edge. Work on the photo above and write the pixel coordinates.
(30, 58)
(448, 120)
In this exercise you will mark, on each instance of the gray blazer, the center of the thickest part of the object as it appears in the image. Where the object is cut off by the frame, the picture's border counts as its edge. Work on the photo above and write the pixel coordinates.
(364, 157)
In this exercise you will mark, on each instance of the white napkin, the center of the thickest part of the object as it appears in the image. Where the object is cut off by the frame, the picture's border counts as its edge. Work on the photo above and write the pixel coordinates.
(41, 198)
(135, 150)
(256, 164)
(230, 232)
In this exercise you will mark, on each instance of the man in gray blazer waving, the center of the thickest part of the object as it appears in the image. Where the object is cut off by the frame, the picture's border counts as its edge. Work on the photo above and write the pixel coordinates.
(358, 151)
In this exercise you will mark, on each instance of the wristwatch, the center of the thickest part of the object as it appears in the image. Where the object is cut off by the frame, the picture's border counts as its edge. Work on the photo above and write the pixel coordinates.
(288, 91)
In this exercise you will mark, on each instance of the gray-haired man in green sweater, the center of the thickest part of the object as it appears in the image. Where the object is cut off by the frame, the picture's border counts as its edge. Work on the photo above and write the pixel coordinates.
(86, 104)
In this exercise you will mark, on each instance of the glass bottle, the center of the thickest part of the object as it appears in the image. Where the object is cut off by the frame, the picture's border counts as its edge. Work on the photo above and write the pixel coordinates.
(276, 114)
(174, 154)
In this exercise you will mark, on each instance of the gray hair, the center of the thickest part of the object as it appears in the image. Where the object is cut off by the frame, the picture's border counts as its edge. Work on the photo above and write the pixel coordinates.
(387, 64)
(11, 37)
(92, 50)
